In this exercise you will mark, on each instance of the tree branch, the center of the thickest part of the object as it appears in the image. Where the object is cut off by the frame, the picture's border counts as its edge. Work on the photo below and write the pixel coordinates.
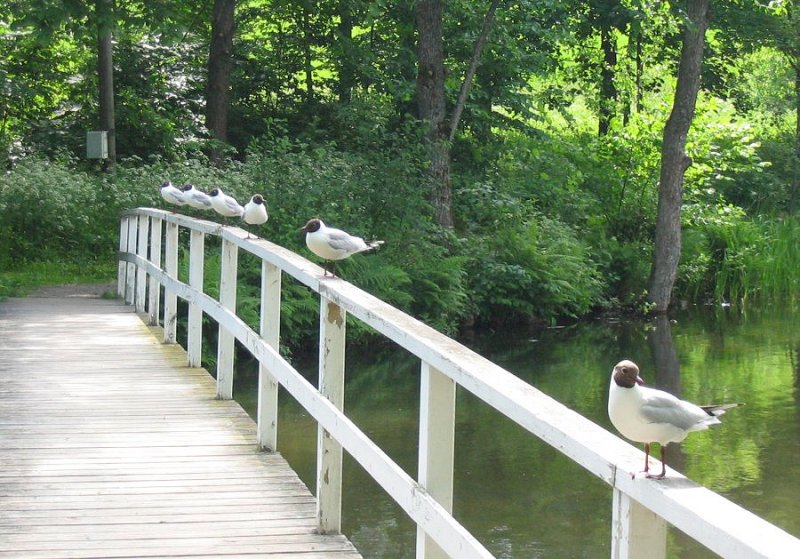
(473, 66)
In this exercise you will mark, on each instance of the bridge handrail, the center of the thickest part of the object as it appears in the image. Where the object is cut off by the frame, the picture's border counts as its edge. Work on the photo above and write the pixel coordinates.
(641, 507)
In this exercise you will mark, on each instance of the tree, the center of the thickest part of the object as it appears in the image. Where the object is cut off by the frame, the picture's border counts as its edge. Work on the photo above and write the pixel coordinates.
(220, 60)
(675, 161)
(432, 101)
(105, 72)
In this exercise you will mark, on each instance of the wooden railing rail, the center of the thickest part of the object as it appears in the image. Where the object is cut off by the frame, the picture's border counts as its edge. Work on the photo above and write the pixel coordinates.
(641, 507)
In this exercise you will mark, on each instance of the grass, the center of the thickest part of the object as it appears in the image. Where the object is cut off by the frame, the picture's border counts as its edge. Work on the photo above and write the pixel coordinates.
(29, 276)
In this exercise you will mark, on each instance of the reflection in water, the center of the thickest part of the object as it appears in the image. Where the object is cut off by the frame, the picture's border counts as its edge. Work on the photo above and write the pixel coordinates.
(525, 500)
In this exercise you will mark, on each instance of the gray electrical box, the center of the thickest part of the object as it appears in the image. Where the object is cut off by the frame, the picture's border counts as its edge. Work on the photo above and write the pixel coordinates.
(97, 145)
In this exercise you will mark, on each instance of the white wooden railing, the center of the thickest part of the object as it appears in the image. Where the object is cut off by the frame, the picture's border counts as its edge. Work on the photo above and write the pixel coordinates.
(641, 507)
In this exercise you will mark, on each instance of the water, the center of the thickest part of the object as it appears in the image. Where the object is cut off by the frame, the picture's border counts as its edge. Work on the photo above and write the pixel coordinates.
(523, 499)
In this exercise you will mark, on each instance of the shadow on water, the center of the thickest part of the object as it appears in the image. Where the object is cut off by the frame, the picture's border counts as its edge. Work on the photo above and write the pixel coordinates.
(523, 499)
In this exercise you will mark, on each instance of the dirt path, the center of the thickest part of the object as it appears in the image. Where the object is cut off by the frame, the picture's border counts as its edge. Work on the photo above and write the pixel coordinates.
(87, 290)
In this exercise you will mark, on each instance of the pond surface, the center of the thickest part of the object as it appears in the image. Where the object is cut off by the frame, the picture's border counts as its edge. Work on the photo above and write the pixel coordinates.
(523, 499)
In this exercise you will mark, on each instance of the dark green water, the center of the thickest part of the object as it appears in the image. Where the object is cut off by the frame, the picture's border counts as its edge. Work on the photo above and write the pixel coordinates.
(523, 499)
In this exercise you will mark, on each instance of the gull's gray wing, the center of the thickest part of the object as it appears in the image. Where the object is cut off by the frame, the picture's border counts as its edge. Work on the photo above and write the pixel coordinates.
(665, 408)
(339, 240)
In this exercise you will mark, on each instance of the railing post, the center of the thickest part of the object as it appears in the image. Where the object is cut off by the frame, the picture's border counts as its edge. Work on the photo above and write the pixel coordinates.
(130, 279)
(141, 250)
(154, 295)
(227, 297)
(170, 298)
(123, 247)
(436, 447)
(269, 328)
(636, 531)
(194, 347)
(331, 385)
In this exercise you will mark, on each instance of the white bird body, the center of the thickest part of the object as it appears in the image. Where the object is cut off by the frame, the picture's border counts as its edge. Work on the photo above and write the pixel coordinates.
(255, 211)
(172, 195)
(195, 198)
(334, 244)
(647, 415)
(225, 205)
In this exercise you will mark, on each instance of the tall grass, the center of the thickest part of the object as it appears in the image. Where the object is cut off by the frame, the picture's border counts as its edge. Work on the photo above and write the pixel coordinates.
(759, 261)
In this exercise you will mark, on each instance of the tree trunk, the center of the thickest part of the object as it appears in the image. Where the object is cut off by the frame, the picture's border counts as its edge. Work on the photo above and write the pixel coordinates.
(105, 71)
(308, 56)
(608, 89)
(220, 61)
(674, 160)
(796, 178)
(347, 74)
(431, 104)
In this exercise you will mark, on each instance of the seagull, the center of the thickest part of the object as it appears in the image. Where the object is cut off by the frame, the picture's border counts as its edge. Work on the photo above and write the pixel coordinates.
(171, 194)
(334, 244)
(255, 211)
(647, 415)
(225, 205)
(195, 198)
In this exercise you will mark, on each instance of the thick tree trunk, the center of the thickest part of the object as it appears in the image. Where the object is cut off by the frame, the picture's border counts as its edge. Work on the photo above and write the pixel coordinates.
(220, 61)
(431, 104)
(674, 160)
(105, 71)
(347, 74)
(796, 180)
(608, 89)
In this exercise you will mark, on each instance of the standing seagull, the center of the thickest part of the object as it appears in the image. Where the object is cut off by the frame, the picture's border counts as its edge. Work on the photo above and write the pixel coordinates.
(172, 195)
(225, 205)
(647, 415)
(334, 244)
(255, 211)
(195, 198)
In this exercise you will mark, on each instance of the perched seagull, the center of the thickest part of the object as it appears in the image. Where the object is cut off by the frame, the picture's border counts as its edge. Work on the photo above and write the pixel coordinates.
(171, 194)
(225, 205)
(647, 415)
(195, 198)
(334, 244)
(255, 211)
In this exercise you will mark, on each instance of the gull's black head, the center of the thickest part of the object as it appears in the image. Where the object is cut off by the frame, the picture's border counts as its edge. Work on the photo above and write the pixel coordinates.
(626, 374)
(166, 184)
(312, 226)
(214, 192)
(259, 199)
(187, 187)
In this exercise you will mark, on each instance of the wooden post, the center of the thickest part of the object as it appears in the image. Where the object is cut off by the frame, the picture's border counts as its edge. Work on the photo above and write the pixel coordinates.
(170, 298)
(130, 278)
(436, 447)
(636, 531)
(269, 328)
(155, 257)
(331, 385)
(141, 250)
(123, 247)
(227, 297)
(194, 343)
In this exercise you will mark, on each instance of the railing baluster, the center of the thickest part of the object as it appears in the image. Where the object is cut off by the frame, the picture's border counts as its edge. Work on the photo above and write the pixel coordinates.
(331, 385)
(170, 298)
(154, 295)
(141, 250)
(227, 297)
(130, 278)
(123, 247)
(194, 344)
(436, 447)
(636, 531)
(269, 328)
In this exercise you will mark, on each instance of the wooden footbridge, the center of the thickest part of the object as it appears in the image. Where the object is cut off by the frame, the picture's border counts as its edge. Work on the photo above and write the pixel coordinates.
(115, 443)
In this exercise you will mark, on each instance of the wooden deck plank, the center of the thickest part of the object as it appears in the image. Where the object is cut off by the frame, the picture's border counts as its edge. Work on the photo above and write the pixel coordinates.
(112, 447)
